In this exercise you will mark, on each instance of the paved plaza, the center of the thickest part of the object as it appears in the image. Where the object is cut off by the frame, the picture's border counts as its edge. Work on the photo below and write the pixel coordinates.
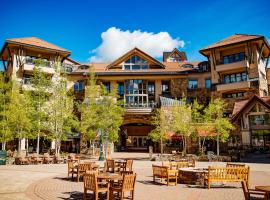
(50, 182)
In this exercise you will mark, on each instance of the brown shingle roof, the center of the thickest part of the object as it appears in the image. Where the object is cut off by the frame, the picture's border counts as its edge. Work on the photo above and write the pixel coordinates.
(36, 42)
(232, 40)
(169, 67)
(240, 106)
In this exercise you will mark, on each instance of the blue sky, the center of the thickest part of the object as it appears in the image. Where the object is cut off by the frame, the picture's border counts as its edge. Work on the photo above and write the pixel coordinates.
(77, 25)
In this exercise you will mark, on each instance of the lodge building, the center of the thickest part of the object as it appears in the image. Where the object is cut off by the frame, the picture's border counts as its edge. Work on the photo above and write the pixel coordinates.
(234, 69)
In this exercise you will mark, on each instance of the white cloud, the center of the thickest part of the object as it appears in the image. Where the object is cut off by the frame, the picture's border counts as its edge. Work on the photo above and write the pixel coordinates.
(116, 42)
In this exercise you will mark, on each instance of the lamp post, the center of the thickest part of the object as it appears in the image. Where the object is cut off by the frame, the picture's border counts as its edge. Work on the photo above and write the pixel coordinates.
(101, 154)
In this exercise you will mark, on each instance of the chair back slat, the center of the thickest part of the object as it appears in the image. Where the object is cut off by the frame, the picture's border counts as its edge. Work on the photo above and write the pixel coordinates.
(90, 181)
(85, 166)
(128, 164)
(129, 182)
(110, 165)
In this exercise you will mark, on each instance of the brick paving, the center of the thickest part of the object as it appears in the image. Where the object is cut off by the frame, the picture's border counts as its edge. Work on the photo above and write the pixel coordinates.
(50, 182)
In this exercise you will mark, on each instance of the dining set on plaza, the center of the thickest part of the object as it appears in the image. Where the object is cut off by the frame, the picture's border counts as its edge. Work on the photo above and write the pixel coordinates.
(185, 172)
(35, 158)
(115, 180)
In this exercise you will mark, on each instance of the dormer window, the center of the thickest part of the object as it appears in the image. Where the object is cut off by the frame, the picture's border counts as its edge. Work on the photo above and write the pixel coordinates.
(84, 67)
(135, 63)
(188, 66)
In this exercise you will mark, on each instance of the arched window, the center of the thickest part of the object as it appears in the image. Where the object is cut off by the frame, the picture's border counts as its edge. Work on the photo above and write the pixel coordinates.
(135, 63)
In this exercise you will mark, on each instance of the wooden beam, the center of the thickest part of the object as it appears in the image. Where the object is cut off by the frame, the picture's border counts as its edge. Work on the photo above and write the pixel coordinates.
(260, 53)
(267, 60)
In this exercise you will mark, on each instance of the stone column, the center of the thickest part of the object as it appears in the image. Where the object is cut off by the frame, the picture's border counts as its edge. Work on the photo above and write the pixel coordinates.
(157, 90)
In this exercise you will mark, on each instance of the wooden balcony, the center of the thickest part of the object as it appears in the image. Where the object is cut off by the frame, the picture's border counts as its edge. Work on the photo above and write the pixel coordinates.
(233, 86)
(240, 65)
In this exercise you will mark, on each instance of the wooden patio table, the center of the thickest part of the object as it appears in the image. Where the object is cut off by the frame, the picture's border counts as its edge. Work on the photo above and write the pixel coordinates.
(264, 188)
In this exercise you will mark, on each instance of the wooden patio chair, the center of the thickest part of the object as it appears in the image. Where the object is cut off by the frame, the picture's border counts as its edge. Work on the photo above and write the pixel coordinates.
(252, 194)
(23, 161)
(71, 169)
(35, 159)
(47, 159)
(127, 185)
(110, 165)
(82, 168)
(127, 166)
(58, 159)
(235, 165)
(91, 183)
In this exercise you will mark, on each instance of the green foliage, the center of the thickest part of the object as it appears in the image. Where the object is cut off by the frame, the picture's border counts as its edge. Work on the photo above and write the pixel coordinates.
(18, 114)
(182, 122)
(214, 117)
(100, 111)
(38, 96)
(162, 125)
(59, 112)
(5, 91)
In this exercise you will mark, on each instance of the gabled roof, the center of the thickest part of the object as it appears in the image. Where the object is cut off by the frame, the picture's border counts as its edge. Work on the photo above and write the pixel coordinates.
(135, 51)
(175, 50)
(233, 39)
(170, 68)
(36, 42)
(240, 106)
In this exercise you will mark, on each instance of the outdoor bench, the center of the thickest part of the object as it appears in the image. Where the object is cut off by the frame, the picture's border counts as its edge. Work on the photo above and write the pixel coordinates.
(227, 174)
(163, 172)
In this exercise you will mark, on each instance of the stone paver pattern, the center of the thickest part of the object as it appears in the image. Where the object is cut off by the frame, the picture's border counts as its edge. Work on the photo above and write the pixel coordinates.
(50, 182)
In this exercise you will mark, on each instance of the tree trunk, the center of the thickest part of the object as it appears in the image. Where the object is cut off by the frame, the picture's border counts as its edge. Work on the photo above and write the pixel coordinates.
(19, 146)
(26, 141)
(161, 149)
(203, 145)
(218, 144)
(38, 139)
(3, 145)
(200, 147)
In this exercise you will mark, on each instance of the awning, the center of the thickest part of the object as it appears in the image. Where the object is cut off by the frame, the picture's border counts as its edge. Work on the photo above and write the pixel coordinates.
(206, 132)
(173, 136)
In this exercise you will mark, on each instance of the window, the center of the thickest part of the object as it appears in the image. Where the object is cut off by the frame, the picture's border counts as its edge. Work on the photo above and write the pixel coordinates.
(207, 83)
(79, 86)
(238, 77)
(188, 66)
(135, 63)
(107, 86)
(121, 89)
(165, 87)
(193, 84)
(234, 95)
(234, 58)
(151, 88)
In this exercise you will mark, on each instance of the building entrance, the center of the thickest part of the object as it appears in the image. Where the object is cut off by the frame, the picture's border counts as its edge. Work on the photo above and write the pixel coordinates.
(134, 137)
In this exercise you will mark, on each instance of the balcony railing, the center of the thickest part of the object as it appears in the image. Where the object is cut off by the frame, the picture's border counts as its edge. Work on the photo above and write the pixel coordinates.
(233, 59)
(39, 62)
(138, 101)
